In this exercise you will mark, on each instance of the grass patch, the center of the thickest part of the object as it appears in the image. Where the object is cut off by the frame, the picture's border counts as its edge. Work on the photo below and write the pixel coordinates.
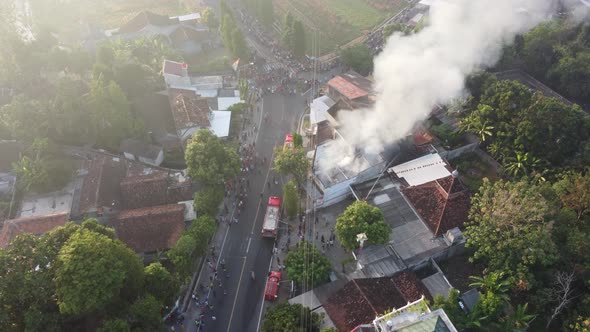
(339, 21)
(71, 18)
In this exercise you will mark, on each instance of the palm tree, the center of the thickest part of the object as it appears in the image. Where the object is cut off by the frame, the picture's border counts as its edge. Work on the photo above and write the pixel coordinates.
(519, 321)
(493, 282)
(521, 164)
(473, 124)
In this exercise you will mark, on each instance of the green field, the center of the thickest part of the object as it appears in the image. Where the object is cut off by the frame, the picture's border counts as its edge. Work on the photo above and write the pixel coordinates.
(70, 19)
(339, 21)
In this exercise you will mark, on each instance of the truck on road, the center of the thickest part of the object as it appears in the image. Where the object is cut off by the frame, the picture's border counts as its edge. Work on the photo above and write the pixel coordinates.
(271, 218)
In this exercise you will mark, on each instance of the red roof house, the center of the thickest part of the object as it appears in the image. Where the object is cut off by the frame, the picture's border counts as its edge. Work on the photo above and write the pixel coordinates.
(346, 88)
(36, 225)
(150, 229)
(443, 204)
(142, 191)
(361, 300)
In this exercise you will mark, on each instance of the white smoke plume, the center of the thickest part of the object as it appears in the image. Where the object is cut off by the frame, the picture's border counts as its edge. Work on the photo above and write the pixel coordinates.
(414, 73)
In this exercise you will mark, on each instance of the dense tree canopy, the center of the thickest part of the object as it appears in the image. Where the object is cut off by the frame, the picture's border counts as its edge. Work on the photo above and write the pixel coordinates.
(358, 218)
(559, 52)
(291, 318)
(290, 199)
(193, 242)
(307, 266)
(209, 18)
(293, 35)
(92, 270)
(359, 58)
(516, 126)
(208, 160)
(72, 274)
(208, 199)
(292, 162)
(509, 230)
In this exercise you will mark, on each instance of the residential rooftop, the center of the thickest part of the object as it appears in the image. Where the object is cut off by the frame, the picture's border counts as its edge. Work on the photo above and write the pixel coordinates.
(351, 85)
(150, 229)
(36, 225)
(415, 317)
(140, 148)
(410, 242)
(361, 300)
(443, 204)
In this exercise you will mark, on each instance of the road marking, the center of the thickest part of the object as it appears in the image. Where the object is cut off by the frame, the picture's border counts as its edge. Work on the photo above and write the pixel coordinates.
(262, 303)
(236, 297)
(249, 241)
(260, 199)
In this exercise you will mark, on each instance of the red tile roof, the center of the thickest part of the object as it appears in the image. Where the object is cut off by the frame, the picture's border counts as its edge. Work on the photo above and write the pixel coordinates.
(422, 137)
(189, 109)
(150, 229)
(443, 204)
(346, 88)
(143, 19)
(101, 183)
(361, 300)
(142, 191)
(36, 225)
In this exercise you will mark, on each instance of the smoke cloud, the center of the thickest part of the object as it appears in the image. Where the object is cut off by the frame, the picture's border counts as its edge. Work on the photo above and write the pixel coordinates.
(416, 72)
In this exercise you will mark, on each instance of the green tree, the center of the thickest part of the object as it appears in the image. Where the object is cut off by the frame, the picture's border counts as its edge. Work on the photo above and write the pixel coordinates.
(105, 55)
(293, 162)
(202, 229)
(208, 199)
(17, 115)
(42, 168)
(358, 218)
(92, 270)
(114, 325)
(287, 34)
(494, 288)
(359, 58)
(266, 12)
(192, 243)
(291, 199)
(573, 190)
(209, 18)
(146, 314)
(521, 164)
(111, 113)
(22, 292)
(307, 266)
(519, 320)
(450, 305)
(239, 47)
(291, 318)
(159, 282)
(572, 74)
(389, 29)
(297, 140)
(209, 161)
(508, 230)
(180, 254)
(298, 38)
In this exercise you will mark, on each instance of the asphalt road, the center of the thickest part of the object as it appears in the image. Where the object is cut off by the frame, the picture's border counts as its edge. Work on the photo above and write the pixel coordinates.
(244, 249)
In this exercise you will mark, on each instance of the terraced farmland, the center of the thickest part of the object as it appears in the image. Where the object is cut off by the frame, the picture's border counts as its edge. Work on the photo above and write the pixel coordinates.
(340, 21)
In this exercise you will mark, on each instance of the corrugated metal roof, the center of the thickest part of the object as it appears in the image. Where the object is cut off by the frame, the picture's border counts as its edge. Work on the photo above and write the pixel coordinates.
(422, 170)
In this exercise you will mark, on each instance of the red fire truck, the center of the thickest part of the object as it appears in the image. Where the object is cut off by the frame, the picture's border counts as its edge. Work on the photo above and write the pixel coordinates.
(288, 142)
(271, 218)
(272, 286)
